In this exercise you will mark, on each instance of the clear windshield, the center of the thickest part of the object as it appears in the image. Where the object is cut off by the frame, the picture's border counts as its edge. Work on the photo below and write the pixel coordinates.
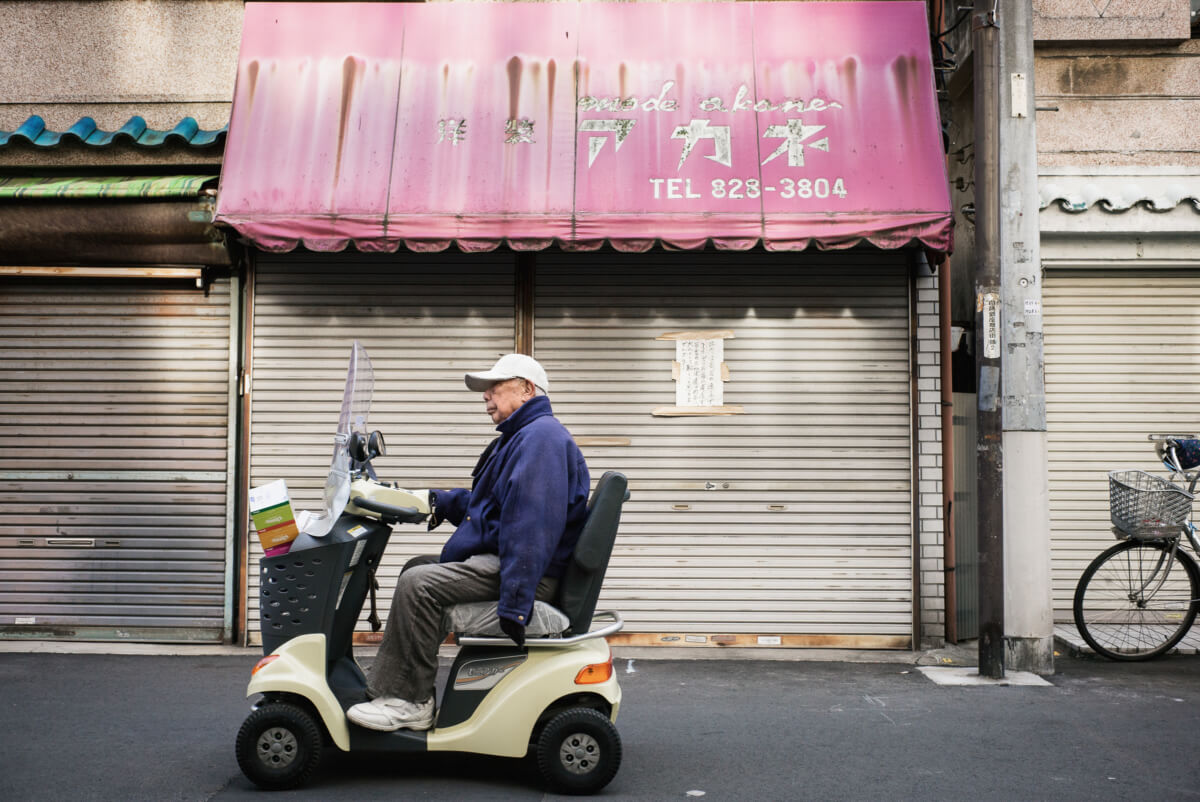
(356, 403)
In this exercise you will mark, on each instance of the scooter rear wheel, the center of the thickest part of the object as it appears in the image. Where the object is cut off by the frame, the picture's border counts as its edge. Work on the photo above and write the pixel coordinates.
(579, 751)
(279, 746)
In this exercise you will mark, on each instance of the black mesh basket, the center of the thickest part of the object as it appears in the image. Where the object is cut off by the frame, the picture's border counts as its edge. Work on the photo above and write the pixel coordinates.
(314, 590)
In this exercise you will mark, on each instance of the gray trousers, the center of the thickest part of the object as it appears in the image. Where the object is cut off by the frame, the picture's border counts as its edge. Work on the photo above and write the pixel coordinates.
(406, 664)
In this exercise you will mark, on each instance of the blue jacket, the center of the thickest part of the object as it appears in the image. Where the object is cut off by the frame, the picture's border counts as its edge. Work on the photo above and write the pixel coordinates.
(527, 503)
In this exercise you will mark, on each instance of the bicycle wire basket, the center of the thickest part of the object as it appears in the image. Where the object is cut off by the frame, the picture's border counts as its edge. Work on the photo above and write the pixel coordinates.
(1146, 506)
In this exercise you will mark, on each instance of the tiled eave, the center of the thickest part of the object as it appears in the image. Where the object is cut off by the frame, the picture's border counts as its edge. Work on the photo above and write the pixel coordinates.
(134, 132)
(1128, 217)
(1076, 190)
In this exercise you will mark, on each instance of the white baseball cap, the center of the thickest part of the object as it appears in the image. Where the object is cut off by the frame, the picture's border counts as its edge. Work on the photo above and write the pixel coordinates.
(509, 366)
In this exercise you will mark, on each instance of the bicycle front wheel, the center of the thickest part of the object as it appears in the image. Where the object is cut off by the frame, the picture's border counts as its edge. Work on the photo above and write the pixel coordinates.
(1137, 599)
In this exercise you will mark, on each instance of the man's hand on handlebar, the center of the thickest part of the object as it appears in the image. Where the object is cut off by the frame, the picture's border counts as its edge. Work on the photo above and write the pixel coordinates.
(435, 515)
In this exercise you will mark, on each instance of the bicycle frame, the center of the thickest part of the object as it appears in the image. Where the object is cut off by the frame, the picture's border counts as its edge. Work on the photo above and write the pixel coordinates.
(1164, 444)
(1166, 449)
(1141, 596)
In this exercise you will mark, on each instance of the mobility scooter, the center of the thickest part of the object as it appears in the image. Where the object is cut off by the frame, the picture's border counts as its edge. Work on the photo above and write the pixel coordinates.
(557, 696)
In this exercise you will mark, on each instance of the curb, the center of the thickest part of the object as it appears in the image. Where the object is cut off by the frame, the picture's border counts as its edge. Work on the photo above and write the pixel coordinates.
(957, 655)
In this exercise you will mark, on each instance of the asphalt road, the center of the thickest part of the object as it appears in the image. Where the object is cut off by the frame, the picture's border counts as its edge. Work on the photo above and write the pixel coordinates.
(107, 727)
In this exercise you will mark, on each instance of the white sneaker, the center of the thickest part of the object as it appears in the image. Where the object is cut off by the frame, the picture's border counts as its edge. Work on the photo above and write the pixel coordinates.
(388, 713)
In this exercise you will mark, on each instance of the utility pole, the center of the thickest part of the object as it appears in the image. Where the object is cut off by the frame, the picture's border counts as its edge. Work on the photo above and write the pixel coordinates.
(985, 45)
(1016, 627)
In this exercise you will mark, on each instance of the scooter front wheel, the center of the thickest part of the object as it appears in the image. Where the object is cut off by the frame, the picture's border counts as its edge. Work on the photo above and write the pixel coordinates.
(579, 751)
(279, 746)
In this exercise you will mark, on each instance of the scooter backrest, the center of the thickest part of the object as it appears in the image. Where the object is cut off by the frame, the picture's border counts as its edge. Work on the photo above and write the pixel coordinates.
(580, 585)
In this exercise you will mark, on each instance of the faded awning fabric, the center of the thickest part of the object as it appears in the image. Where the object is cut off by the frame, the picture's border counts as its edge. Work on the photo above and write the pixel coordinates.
(579, 124)
(110, 221)
(172, 186)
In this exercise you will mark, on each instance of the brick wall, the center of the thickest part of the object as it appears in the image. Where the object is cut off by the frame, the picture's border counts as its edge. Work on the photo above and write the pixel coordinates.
(931, 524)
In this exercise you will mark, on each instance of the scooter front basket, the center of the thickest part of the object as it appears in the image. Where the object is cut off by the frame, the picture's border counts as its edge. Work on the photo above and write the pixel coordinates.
(312, 590)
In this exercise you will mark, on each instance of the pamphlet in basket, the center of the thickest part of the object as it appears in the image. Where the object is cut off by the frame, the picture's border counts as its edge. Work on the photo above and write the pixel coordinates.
(271, 512)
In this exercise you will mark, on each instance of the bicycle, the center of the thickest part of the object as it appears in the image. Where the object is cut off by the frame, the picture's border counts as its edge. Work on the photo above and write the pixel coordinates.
(1137, 599)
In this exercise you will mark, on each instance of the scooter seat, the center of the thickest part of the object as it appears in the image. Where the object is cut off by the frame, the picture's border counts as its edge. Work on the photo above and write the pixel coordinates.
(482, 620)
(579, 587)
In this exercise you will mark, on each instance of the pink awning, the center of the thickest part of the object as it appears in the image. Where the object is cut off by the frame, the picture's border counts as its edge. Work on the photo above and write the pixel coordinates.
(786, 123)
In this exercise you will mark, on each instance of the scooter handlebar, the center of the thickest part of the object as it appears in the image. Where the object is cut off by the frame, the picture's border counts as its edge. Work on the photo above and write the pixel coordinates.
(389, 513)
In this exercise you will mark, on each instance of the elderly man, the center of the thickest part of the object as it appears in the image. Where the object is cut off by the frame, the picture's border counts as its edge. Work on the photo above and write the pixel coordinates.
(517, 527)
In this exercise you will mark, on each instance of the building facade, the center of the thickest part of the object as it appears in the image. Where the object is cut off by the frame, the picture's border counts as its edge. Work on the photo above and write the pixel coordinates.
(1115, 90)
(802, 509)
(121, 312)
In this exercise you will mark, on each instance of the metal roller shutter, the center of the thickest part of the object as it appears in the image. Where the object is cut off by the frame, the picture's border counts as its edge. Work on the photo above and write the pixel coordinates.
(966, 516)
(1122, 361)
(114, 410)
(425, 320)
(791, 521)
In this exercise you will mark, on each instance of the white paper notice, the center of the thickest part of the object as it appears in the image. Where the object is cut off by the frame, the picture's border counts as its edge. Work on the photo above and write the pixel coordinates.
(700, 383)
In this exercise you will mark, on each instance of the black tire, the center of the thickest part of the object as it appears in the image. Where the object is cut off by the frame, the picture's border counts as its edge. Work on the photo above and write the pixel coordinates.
(579, 751)
(279, 746)
(1124, 606)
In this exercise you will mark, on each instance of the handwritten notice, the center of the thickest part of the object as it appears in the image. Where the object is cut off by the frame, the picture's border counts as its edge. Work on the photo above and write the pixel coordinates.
(700, 374)
(699, 383)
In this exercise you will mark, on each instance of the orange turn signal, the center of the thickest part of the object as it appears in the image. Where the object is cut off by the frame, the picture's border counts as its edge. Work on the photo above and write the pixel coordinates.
(263, 663)
(595, 673)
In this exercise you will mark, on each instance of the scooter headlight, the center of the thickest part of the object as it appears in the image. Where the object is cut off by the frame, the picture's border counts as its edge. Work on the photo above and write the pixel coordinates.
(263, 663)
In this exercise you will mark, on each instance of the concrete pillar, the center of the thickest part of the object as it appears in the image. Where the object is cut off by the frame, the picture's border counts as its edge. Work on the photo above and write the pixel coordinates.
(1028, 610)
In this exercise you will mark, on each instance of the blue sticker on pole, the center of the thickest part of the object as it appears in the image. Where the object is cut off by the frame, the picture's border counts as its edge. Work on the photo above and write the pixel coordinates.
(989, 388)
